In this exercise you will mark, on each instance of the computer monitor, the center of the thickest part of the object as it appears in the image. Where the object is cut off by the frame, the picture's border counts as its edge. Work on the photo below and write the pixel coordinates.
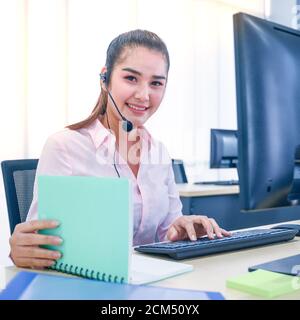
(179, 171)
(267, 59)
(223, 148)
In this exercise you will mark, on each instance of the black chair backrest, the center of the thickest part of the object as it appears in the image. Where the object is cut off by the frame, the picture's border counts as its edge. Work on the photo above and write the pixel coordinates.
(179, 171)
(18, 178)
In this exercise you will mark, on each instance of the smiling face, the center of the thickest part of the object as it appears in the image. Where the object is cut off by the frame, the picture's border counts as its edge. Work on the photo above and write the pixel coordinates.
(137, 84)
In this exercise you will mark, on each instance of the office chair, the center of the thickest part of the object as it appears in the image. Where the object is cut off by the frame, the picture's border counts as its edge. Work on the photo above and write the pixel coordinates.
(179, 171)
(18, 178)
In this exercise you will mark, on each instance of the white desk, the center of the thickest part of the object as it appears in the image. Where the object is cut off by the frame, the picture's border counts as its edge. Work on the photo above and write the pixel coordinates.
(210, 272)
(201, 190)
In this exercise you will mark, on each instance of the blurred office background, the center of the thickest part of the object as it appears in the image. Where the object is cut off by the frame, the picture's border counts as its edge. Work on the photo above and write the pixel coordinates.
(52, 52)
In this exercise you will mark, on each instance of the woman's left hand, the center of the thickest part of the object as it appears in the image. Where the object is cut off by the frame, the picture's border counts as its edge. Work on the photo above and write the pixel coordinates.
(195, 226)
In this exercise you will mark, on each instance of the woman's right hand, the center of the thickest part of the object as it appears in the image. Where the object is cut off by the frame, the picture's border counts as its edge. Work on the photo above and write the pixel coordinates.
(25, 242)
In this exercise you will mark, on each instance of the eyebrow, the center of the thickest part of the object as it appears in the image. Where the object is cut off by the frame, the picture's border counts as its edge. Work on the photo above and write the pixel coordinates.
(139, 73)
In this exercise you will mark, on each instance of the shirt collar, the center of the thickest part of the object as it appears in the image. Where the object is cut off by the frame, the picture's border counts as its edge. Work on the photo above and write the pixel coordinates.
(98, 133)
(101, 135)
(146, 137)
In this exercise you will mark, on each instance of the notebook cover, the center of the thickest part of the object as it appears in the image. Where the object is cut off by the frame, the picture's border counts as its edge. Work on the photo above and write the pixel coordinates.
(34, 286)
(147, 269)
(289, 265)
(95, 224)
(264, 283)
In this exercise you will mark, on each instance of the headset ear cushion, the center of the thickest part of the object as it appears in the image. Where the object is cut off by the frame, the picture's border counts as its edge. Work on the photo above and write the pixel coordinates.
(103, 77)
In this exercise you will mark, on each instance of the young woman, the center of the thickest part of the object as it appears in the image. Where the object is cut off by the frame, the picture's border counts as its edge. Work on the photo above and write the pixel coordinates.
(113, 142)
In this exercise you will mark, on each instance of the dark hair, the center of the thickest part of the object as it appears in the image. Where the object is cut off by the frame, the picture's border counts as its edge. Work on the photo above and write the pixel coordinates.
(131, 39)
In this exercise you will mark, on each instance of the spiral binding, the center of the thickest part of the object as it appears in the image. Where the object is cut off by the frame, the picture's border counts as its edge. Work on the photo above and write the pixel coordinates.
(85, 273)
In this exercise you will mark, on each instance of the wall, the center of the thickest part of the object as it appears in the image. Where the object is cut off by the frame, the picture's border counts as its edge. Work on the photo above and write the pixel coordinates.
(283, 12)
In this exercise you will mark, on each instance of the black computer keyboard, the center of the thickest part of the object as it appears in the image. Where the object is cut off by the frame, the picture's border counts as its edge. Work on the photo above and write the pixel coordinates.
(205, 246)
(220, 182)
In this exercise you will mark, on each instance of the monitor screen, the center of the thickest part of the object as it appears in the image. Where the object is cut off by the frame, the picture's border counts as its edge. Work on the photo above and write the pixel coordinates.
(267, 60)
(223, 148)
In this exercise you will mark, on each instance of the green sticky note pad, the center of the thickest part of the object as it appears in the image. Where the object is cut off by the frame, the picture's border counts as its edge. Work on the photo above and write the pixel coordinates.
(264, 283)
(95, 216)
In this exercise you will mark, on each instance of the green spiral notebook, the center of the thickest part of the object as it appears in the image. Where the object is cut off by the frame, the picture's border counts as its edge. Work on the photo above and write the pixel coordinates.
(96, 226)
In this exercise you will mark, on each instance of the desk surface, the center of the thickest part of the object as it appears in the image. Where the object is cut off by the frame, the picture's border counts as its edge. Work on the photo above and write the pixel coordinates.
(210, 272)
(196, 190)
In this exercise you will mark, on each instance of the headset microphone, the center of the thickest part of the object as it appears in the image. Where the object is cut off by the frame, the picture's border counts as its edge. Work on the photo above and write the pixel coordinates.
(126, 124)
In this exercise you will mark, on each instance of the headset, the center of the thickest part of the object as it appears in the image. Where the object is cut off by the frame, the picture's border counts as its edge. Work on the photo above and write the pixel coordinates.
(126, 124)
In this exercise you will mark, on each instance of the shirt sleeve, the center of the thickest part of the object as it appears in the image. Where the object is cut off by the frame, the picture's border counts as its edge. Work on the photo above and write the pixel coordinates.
(175, 206)
(54, 160)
